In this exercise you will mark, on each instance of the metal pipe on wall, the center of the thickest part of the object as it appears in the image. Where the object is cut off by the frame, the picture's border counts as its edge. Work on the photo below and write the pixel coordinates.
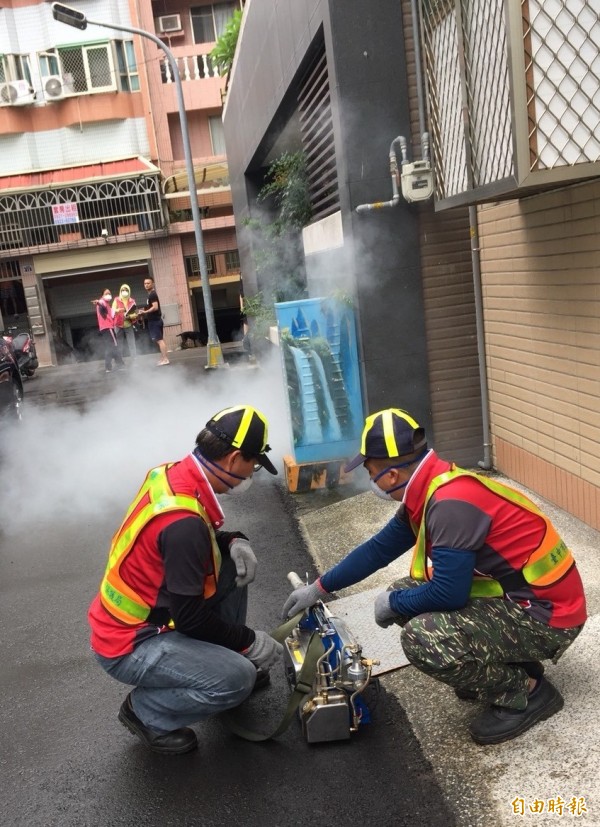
(486, 462)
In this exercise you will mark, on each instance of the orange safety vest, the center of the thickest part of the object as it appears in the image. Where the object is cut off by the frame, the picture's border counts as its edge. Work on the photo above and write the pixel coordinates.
(154, 497)
(550, 561)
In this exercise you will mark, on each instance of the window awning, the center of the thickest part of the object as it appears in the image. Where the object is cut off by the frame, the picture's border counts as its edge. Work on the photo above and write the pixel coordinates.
(63, 176)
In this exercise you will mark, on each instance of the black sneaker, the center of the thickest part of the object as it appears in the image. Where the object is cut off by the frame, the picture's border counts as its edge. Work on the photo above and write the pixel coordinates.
(167, 743)
(498, 723)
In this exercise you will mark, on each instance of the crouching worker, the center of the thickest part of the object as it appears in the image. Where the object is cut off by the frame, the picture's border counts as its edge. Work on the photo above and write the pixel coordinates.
(170, 615)
(493, 589)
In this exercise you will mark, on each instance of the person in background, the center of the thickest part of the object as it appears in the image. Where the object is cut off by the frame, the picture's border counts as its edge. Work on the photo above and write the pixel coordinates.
(170, 615)
(106, 325)
(493, 589)
(152, 316)
(125, 310)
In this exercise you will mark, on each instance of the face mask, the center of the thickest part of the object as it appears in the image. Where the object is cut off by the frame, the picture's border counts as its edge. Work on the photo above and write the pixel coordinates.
(124, 293)
(383, 495)
(239, 489)
(107, 297)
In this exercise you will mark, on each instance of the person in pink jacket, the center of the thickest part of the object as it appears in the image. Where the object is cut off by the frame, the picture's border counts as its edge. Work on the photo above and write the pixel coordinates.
(106, 326)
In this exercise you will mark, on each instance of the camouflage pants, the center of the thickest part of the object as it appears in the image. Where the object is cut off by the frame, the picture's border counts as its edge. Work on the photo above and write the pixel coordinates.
(480, 646)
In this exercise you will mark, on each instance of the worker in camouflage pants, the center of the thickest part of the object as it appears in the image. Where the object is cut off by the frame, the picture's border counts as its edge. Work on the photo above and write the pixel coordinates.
(493, 591)
(489, 644)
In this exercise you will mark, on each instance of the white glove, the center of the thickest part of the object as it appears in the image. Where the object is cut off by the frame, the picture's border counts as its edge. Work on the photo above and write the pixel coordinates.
(264, 652)
(302, 598)
(245, 561)
(384, 615)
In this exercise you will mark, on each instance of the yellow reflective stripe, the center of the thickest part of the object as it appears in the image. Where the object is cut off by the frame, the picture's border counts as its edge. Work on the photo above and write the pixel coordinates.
(124, 603)
(243, 429)
(368, 425)
(387, 423)
(551, 560)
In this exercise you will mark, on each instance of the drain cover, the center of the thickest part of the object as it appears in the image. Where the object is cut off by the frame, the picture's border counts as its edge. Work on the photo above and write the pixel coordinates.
(379, 644)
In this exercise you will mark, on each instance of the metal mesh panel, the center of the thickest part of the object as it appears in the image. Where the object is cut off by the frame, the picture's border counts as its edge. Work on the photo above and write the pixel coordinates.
(486, 74)
(87, 68)
(562, 68)
(440, 52)
(89, 211)
(551, 66)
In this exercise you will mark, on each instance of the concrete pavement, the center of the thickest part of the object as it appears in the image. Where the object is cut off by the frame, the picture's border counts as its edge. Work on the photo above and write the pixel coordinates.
(517, 782)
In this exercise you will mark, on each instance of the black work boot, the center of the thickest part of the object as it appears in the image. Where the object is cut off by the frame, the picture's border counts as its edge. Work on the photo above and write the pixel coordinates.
(499, 723)
(168, 743)
(534, 669)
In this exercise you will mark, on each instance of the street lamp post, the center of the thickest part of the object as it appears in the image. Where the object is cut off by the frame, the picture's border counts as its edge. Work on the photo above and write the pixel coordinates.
(77, 19)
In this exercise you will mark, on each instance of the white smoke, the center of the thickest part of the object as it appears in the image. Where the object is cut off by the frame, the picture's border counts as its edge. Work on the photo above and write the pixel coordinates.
(59, 461)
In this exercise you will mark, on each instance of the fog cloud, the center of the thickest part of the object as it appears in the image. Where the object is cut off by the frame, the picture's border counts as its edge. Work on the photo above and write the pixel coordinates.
(63, 461)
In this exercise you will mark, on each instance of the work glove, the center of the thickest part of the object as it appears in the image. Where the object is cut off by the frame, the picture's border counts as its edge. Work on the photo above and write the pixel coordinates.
(264, 652)
(384, 614)
(244, 559)
(302, 598)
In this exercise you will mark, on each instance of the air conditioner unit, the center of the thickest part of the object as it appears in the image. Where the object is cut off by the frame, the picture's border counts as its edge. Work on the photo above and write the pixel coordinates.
(16, 93)
(169, 23)
(54, 87)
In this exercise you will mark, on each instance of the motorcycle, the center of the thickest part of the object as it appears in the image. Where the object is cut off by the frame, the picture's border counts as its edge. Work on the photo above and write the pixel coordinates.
(23, 348)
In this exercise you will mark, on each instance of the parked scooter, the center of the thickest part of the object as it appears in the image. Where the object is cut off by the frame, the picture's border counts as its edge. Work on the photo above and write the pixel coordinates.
(23, 348)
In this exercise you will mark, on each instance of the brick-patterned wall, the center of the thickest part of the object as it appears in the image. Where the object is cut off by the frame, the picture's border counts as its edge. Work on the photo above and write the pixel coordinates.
(540, 262)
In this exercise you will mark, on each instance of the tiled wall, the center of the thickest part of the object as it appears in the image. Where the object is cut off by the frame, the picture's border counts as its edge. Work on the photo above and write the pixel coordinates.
(540, 263)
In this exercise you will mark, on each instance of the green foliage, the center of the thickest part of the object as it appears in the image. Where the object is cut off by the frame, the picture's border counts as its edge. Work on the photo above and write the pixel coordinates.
(224, 51)
(287, 184)
(262, 314)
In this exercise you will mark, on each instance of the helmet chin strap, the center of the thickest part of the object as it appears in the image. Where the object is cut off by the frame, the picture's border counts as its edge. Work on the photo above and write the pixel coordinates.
(210, 466)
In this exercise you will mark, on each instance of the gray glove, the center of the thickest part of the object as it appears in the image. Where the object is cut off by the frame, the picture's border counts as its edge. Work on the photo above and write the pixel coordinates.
(264, 652)
(384, 615)
(244, 559)
(302, 598)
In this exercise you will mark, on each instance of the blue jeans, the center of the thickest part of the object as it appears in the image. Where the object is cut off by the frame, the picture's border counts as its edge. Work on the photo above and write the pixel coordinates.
(178, 680)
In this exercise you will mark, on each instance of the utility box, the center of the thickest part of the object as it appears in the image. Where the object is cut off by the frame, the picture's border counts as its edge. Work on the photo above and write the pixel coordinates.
(317, 340)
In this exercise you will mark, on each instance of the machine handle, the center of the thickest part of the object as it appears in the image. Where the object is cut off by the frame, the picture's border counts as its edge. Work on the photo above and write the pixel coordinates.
(294, 580)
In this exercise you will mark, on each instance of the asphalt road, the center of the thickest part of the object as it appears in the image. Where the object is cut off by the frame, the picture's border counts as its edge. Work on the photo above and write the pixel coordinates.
(65, 761)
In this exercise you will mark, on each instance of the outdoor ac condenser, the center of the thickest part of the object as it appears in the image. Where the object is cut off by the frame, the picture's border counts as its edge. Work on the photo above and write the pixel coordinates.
(54, 88)
(169, 23)
(16, 93)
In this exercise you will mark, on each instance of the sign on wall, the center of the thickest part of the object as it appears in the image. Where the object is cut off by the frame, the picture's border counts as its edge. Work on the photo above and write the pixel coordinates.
(65, 213)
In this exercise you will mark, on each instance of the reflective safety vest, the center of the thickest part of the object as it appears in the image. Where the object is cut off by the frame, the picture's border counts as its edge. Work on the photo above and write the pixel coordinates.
(547, 564)
(154, 497)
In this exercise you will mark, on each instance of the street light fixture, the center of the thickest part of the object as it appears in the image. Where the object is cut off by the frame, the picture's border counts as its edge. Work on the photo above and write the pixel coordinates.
(77, 19)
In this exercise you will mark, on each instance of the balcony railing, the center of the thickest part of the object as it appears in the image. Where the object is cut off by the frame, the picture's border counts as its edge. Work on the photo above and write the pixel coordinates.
(98, 210)
(191, 67)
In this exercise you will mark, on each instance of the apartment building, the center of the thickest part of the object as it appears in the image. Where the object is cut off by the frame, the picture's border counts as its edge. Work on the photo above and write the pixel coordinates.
(478, 308)
(93, 188)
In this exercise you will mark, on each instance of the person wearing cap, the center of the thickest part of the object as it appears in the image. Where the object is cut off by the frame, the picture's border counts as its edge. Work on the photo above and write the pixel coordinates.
(170, 615)
(493, 590)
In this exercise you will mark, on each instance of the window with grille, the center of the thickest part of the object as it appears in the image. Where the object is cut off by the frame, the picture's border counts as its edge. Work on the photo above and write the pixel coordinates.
(192, 266)
(15, 67)
(87, 68)
(232, 261)
(209, 22)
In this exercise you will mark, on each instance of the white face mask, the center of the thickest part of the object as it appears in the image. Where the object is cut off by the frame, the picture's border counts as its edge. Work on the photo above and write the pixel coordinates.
(384, 495)
(107, 297)
(124, 293)
(239, 489)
